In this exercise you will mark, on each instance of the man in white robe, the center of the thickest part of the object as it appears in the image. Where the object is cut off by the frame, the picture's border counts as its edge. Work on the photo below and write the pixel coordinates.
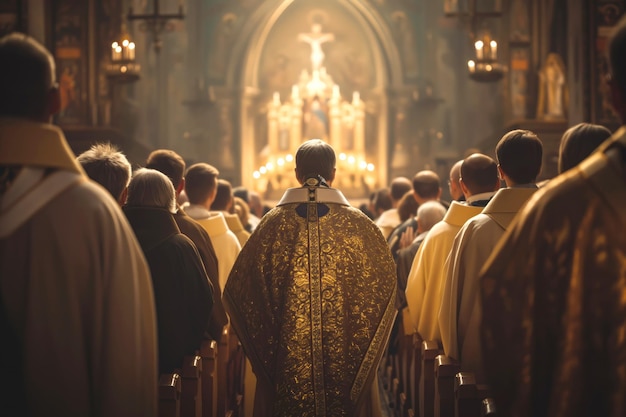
(479, 180)
(201, 188)
(519, 155)
(77, 310)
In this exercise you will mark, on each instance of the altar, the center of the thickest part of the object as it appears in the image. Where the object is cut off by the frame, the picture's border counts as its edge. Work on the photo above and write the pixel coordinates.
(316, 108)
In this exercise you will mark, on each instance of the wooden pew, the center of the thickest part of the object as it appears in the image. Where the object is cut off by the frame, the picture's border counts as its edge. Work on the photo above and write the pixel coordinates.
(208, 353)
(430, 350)
(415, 372)
(222, 373)
(191, 387)
(468, 395)
(169, 395)
(446, 369)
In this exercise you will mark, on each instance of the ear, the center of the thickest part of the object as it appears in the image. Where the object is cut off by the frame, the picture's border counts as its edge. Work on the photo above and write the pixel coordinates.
(122, 199)
(500, 173)
(181, 187)
(464, 188)
(330, 180)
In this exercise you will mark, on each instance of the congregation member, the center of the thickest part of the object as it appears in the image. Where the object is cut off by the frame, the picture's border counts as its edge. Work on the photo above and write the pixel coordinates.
(252, 199)
(77, 313)
(182, 291)
(454, 182)
(201, 188)
(109, 167)
(389, 219)
(479, 181)
(519, 155)
(578, 142)
(407, 210)
(224, 203)
(553, 291)
(173, 166)
(314, 321)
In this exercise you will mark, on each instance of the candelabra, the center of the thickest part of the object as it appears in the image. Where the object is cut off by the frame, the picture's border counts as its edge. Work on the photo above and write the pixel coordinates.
(123, 67)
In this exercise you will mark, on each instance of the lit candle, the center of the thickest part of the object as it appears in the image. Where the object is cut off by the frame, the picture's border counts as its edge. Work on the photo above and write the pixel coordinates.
(356, 98)
(131, 51)
(471, 66)
(479, 45)
(114, 46)
(125, 49)
(335, 91)
(118, 53)
(295, 92)
(494, 50)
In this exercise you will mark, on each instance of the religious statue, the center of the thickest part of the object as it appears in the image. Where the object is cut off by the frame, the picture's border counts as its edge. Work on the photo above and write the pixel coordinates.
(553, 94)
(316, 38)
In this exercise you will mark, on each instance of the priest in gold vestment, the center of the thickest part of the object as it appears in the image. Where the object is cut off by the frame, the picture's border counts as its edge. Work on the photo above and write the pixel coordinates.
(311, 297)
(554, 292)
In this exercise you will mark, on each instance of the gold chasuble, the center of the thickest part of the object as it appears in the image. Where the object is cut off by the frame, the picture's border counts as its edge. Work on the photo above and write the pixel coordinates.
(554, 296)
(311, 297)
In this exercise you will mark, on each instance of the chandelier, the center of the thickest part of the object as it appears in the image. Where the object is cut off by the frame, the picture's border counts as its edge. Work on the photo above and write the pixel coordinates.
(484, 67)
(123, 68)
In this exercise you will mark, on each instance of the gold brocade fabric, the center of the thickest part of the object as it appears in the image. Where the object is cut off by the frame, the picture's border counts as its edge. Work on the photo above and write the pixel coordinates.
(554, 299)
(311, 299)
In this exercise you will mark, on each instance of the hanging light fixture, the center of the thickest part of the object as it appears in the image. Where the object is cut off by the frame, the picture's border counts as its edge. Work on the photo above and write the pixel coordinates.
(484, 66)
(123, 67)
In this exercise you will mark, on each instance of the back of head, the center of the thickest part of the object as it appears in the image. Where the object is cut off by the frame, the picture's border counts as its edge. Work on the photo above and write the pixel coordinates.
(107, 166)
(455, 175)
(223, 197)
(399, 187)
(243, 211)
(168, 162)
(479, 173)
(519, 155)
(151, 188)
(27, 75)
(382, 201)
(407, 207)
(578, 142)
(426, 184)
(241, 192)
(315, 158)
(429, 214)
(200, 182)
(255, 204)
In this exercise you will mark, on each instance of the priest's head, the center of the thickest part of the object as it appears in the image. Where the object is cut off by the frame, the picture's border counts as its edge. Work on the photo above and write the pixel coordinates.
(28, 87)
(314, 159)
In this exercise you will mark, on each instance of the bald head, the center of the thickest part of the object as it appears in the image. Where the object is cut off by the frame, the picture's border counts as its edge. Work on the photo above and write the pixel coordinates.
(455, 175)
(426, 186)
(399, 187)
(479, 174)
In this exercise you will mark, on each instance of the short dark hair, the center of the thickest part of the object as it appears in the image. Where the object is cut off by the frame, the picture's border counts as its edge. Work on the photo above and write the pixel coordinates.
(200, 182)
(26, 76)
(426, 184)
(407, 207)
(169, 163)
(382, 200)
(223, 196)
(617, 53)
(520, 154)
(578, 142)
(399, 186)
(479, 173)
(107, 166)
(315, 157)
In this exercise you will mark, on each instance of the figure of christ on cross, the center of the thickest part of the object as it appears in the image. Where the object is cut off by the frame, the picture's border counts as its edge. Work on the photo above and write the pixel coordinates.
(316, 38)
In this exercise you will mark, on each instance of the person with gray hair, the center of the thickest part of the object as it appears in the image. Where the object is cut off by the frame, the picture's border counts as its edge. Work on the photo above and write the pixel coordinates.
(182, 292)
(107, 166)
(77, 313)
(311, 298)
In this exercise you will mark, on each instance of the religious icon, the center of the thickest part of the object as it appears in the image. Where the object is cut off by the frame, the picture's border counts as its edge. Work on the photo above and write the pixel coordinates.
(316, 38)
